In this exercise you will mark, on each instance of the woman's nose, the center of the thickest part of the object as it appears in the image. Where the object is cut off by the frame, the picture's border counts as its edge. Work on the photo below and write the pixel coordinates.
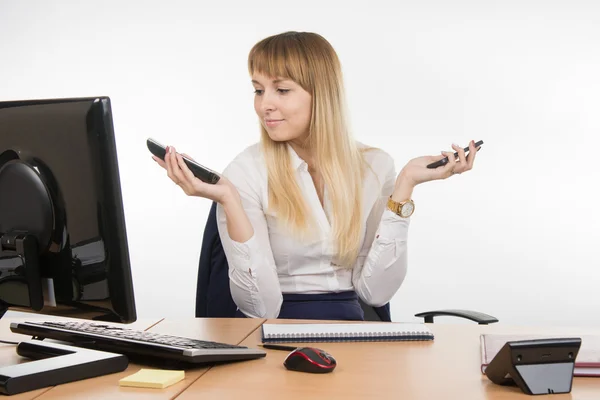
(267, 103)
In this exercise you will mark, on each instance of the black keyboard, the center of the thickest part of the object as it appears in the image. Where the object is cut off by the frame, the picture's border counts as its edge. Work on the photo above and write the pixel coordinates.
(146, 346)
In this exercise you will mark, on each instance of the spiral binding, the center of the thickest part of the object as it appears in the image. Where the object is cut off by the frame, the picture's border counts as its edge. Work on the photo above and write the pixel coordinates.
(361, 336)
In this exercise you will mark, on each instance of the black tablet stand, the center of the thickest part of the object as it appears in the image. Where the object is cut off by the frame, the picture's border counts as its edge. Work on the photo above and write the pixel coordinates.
(540, 366)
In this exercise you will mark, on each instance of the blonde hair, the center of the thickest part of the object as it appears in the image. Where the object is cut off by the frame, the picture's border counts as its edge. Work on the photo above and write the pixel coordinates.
(310, 61)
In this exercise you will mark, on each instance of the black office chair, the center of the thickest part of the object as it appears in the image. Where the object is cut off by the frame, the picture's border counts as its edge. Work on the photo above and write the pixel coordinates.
(213, 295)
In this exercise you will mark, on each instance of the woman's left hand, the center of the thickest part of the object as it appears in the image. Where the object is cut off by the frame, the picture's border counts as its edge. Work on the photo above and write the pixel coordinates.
(416, 171)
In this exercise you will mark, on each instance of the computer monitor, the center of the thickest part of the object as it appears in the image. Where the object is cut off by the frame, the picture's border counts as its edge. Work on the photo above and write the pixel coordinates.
(63, 241)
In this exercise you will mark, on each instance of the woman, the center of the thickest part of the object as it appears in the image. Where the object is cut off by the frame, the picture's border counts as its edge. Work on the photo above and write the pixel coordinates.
(310, 219)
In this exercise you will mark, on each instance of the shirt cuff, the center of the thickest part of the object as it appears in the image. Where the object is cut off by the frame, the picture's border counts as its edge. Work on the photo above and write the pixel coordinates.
(393, 226)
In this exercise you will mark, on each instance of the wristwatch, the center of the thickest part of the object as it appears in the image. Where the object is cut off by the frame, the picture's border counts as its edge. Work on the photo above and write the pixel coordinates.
(402, 208)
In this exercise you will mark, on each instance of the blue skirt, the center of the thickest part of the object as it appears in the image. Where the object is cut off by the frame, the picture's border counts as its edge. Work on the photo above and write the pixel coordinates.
(331, 306)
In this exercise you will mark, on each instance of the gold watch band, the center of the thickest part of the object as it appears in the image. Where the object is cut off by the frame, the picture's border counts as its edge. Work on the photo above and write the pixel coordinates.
(403, 209)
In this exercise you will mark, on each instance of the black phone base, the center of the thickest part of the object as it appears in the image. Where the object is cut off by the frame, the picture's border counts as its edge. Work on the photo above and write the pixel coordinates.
(56, 364)
(542, 366)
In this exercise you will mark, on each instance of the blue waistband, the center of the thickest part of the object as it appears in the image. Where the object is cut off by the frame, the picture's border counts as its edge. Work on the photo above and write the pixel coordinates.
(339, 296)
(330, 306)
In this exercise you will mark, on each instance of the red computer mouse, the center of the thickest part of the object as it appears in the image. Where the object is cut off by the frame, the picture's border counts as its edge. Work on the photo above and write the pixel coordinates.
(310, 359)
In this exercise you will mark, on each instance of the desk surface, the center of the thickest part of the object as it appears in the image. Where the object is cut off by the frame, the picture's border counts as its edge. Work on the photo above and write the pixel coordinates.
(446, 368)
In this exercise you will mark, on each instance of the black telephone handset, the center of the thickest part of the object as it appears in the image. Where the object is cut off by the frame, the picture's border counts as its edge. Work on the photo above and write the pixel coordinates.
(444, 160)
(201, 172)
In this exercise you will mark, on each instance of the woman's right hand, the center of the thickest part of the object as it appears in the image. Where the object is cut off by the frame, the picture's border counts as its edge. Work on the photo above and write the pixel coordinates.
(222, 192)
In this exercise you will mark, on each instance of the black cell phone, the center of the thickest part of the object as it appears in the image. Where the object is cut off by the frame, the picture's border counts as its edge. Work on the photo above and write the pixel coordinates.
(444, 160)
(201, 172)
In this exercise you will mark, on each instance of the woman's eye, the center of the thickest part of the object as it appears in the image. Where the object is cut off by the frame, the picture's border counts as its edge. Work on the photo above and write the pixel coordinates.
(258, 91)
(283, 91)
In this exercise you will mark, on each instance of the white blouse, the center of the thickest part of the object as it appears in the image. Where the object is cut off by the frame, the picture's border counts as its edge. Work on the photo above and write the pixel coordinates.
(273, 262)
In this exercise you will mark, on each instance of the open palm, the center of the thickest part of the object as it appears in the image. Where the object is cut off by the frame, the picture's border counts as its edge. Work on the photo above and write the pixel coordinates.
(416, 169)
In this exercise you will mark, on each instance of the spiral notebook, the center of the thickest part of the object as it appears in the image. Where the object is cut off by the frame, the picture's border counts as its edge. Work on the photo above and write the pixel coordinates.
(367, 332)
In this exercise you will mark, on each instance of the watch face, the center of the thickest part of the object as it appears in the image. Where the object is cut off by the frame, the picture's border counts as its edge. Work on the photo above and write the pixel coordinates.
(407, 210)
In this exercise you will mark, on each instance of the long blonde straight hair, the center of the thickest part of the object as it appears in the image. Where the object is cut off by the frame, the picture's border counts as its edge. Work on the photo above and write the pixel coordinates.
(310, 61)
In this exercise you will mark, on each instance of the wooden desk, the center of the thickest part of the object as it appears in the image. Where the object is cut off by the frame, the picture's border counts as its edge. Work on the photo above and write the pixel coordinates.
(9, 356)
(446, 368)
(232, 331)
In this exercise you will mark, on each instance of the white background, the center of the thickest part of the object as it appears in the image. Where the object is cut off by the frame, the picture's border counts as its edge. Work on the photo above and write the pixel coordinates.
(517, 237)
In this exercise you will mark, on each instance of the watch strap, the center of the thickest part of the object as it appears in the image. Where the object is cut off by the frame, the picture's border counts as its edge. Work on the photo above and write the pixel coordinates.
(396, 206)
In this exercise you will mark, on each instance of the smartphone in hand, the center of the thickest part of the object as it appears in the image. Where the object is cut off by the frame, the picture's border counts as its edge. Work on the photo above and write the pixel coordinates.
(201, 172)
(444, 160)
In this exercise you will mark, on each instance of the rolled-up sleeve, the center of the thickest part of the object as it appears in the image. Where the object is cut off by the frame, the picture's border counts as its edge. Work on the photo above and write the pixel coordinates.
(254, 283)
(382, 262)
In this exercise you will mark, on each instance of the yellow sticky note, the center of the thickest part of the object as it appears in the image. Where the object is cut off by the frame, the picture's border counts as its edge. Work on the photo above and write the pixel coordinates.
(153, 378)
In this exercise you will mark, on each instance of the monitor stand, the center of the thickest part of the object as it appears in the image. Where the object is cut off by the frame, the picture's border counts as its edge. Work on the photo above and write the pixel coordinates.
(54, 364)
